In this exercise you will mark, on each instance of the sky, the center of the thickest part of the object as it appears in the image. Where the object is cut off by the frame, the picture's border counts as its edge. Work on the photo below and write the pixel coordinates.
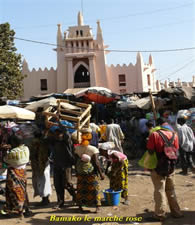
(128, 25)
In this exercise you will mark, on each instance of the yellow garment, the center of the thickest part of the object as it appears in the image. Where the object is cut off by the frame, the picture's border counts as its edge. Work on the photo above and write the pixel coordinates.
(103, 132)
(155, 129)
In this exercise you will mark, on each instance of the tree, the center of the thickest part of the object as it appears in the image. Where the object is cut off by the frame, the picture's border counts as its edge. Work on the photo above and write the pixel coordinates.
(11, 77)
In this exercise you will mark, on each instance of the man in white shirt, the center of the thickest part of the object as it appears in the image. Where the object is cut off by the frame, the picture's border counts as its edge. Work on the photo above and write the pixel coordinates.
(115, 134)
(186, 144)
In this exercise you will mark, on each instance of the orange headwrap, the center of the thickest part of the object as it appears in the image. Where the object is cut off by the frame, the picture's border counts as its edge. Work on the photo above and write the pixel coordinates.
(86, 137)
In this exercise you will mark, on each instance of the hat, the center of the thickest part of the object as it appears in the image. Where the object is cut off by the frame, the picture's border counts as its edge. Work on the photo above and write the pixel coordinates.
(86, 130)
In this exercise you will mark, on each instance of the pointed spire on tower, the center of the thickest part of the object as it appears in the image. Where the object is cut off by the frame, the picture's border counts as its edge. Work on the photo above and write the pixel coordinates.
(151, 59)
(99, 37)
(80, 19)
(59, 35)
(25, 65)
(140, 59)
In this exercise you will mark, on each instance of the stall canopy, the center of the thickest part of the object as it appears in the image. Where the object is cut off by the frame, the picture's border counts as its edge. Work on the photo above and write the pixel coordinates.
(99, 95)
(184, 93)
(44, 103)
(13, 112)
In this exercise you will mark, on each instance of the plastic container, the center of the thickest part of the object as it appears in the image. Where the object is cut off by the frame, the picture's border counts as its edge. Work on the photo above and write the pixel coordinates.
(112, 197)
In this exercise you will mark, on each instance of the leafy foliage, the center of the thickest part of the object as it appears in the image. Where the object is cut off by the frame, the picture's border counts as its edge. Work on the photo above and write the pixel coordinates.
(11, 77)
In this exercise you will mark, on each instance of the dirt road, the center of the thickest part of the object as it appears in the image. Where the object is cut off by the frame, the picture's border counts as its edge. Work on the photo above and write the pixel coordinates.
(141, 204)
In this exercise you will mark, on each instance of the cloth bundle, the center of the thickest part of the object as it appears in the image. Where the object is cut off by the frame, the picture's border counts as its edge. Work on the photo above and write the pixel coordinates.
(17, 156)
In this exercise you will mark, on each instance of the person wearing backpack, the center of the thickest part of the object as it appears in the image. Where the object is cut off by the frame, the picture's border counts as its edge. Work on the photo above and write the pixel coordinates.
(164, 141)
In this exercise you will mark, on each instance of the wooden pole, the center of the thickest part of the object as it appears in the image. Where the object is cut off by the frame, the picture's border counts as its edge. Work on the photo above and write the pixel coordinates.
(153, 105)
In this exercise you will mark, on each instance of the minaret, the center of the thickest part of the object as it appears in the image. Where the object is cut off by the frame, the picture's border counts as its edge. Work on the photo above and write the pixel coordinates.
(150, 60)
(61, 79)
(25, 66)
(99, 37)
(100, 58)
(140, 59)
(59, 35)
(80, 19)
(139, 68)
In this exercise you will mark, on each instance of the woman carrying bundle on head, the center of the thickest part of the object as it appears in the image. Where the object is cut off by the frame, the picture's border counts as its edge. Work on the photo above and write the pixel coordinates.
(16, 184)
(119, 169)
(87, 169)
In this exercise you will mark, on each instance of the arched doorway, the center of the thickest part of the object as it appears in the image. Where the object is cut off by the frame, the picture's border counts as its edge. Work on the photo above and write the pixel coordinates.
(81, 77)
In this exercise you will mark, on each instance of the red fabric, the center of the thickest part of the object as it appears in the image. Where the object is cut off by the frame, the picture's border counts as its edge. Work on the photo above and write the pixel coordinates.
(98, 98)
(156, 143)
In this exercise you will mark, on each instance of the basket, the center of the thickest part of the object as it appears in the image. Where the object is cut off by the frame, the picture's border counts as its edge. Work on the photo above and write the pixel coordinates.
(112, 197)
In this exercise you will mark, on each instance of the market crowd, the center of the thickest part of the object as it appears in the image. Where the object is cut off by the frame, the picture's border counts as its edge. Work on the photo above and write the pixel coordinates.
(98, 150)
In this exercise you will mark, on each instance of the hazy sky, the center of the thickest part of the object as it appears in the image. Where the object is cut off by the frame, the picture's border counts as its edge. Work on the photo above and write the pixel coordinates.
(136, 25)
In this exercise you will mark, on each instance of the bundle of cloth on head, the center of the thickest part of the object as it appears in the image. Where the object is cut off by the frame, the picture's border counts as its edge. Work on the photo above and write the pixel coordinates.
(17, 156)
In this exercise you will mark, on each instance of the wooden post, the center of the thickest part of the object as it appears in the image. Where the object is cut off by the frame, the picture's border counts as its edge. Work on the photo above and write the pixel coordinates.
(153, 105)
(78, 125)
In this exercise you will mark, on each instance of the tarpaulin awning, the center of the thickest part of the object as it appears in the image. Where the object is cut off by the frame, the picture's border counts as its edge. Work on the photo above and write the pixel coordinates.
(187, 93)
(44, 103)
(13, 112)
(47, 102)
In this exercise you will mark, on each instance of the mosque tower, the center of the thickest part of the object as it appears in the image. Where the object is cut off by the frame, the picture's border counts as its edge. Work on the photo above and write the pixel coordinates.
(80, 58)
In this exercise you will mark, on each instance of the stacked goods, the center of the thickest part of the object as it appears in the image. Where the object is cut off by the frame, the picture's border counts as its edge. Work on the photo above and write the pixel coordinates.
(78, 114)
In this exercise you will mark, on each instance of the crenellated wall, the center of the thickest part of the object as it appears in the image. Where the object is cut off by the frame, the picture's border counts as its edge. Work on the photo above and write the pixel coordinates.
(32, 83)
(179, 83)
(136, 77)
(113, 77)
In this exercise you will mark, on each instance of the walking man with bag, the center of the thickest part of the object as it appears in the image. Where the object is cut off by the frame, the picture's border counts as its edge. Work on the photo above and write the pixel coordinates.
(164, 141)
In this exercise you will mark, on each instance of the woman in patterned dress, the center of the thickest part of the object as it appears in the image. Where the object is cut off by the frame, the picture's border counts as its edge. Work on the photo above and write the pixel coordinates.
(88, 190)
(119, 171)
(16, 183)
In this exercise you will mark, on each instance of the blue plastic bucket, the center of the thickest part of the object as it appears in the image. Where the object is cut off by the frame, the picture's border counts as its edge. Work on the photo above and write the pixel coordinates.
(112, 197)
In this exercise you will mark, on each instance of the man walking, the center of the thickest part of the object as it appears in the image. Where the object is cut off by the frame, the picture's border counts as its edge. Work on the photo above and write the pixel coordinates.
(115, 134)
(63, 160)
(186, 144)
(163, 175)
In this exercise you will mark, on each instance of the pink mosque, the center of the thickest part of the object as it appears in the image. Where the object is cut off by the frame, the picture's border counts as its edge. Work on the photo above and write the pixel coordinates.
(81, 63)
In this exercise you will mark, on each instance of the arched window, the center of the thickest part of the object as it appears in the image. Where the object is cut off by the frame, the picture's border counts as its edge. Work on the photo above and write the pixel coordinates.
(81, 75)
(77, 32)
(81, 33)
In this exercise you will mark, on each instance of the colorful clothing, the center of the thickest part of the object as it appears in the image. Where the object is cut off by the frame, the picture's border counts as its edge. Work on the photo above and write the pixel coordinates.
(88, 190)
(16, 189)
(156, 143)
(163, 185)
(119, 180)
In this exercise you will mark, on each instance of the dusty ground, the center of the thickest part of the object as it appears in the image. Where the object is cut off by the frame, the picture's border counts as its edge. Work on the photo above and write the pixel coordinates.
(140, 196)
